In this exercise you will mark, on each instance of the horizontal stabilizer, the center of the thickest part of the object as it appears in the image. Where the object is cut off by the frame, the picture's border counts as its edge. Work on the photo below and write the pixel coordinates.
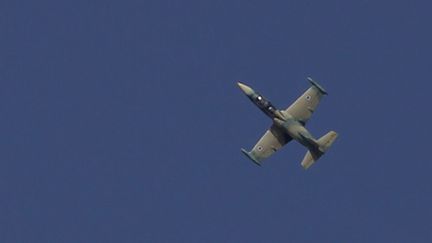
(325, 143)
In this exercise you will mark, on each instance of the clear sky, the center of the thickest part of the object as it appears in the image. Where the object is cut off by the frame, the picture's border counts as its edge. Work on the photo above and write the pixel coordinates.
(121, 121)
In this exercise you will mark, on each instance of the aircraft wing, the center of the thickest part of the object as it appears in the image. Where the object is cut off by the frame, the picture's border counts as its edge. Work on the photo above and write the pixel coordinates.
(272, 140)
(306, 104)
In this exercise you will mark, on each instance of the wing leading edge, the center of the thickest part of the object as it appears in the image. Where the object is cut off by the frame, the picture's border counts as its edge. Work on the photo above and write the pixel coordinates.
(272, 140)
(300, 110)
(303, 108)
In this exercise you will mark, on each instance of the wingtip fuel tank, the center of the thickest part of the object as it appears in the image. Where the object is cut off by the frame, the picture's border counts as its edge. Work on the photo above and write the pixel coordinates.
(251, 157)
(289, 124)
(317, 85)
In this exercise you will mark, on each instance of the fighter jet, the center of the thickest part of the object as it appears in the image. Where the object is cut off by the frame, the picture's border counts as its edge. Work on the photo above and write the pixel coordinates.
(289, 124)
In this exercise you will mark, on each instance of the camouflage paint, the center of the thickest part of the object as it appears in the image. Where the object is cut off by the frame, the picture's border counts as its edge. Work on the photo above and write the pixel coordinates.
(289, 124)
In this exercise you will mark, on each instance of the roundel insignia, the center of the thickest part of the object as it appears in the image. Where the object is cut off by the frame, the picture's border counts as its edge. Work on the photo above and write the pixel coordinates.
(308, 97)
(259, 148)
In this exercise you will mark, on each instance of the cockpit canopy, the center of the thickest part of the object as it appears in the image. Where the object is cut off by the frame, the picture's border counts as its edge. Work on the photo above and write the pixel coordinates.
(265, 105)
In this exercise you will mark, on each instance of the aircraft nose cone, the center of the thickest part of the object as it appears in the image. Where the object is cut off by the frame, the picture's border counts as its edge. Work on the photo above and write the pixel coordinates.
(246, 89)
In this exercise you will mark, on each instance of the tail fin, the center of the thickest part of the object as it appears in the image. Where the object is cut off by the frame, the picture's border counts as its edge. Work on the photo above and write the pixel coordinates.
(324, 143)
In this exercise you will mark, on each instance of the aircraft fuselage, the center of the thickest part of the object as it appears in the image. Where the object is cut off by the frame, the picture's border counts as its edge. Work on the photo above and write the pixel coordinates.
(289, 125)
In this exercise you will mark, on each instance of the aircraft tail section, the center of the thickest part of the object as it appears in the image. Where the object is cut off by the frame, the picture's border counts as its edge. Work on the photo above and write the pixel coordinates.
(324, 144)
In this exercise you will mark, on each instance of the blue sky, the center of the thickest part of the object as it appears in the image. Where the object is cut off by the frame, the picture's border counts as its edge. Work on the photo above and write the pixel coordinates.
(121, 121)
